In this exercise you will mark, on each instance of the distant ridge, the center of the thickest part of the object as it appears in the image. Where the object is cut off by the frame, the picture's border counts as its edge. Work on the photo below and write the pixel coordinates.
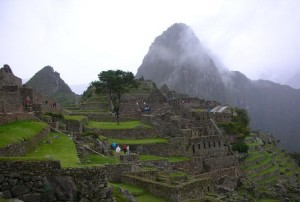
(178, 59)
(48, 82)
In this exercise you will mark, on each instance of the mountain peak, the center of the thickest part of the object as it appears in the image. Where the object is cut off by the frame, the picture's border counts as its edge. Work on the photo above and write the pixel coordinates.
(48, 82)
(178, 54)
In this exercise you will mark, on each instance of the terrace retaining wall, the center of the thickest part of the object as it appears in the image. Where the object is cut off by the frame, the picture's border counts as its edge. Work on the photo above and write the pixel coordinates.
(123, 133)
(193, 189)
(21, 147)
(22, 180)
(11, 117)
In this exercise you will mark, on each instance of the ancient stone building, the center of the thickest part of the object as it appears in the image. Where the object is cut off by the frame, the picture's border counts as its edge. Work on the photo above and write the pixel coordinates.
(18, 100)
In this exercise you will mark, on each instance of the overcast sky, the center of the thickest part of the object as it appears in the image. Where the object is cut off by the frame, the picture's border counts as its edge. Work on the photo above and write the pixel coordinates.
(81, 38)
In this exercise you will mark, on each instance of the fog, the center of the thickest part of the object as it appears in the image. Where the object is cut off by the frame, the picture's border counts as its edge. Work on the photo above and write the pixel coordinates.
(80, 38)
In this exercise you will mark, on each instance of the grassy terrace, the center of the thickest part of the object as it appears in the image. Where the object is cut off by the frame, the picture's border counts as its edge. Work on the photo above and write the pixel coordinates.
(136, 141)
(61, 148)
(114, 125)
(78, 118)
(19, 130)
(170, 159)
(140, 194)
(95, 159)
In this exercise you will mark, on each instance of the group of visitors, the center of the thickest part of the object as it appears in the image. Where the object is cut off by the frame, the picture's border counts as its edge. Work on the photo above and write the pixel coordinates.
(118, 148)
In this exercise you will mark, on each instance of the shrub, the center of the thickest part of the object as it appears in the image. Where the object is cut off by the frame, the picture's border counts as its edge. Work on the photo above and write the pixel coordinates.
(240, 147)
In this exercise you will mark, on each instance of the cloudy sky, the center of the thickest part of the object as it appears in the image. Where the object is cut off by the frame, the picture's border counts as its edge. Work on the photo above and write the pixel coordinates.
(81, 38)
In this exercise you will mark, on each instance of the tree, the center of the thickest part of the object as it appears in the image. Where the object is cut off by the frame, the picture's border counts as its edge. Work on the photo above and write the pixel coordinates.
(115, 83)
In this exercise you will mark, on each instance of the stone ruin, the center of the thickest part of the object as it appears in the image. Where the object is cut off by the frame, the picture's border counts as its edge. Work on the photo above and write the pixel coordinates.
(188, 123)
(19, 102)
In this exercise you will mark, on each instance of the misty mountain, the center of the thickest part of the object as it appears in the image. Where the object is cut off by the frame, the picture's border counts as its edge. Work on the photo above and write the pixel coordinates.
(178, 59)
(294, 81)
(48, 82)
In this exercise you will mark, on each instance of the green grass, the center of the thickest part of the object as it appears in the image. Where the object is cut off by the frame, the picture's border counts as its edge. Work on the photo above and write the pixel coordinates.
(114, 125)
(177, 158)
(77, 118)
(19, 130)
(140, 194)
(170, 159)
(149, 198)
(131, 188)
(4, 200)
(97, 159)
(61, 148)
(137, 141)
(151, 158)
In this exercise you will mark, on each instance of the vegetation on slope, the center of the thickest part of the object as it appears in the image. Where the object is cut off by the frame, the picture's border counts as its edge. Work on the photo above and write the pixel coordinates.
(19, 130)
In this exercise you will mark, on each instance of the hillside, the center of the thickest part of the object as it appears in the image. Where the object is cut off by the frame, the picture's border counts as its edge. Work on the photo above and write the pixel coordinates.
(294, 81)
(48, 82)
(178, 59)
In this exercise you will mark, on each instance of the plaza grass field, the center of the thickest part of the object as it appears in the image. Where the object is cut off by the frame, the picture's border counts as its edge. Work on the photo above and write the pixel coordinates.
(114, 125)
(19, 130)
(61, 148)
(137, 141)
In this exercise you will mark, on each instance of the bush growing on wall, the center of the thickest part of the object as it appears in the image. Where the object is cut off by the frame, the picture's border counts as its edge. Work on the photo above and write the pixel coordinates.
(240, 147)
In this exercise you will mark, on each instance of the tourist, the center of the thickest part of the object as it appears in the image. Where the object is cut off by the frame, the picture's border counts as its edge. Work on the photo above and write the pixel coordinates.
(127, 148)
(118, 149)
(124, 148)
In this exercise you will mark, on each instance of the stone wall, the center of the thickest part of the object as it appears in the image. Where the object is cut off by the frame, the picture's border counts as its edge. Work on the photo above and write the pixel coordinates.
(220, 162)
(75, 126)
(22, 180)
(11, 117)
(192, 189)
(124, 133)
(7, 78)
(23, 146)
(114, 172)
(10, 102)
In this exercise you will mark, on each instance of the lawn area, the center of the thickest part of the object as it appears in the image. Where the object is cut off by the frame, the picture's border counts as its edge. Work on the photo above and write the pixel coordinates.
(19, 130)
(137, 141)
(97, 159)
(114, 125)
(61, 148)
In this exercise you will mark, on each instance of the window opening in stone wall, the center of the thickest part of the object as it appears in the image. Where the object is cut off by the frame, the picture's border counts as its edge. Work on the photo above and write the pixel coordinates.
(193, 149)
(219, 144)
(204, 145)
(198, 146)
